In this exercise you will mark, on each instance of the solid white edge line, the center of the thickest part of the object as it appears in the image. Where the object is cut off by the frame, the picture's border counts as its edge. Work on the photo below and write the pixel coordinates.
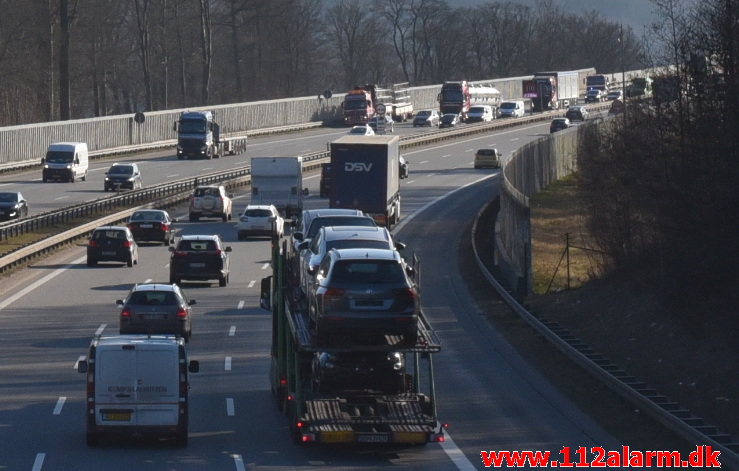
(230, 407)
(232, 331)
(455, 454)
(59, 405)
(239, 462)
(38, 462)
(8, 301)
(227, 364)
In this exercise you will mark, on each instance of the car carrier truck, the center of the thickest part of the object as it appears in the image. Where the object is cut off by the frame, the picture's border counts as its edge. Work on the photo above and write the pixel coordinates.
(365, 175)
(399, 406)
(199, 136)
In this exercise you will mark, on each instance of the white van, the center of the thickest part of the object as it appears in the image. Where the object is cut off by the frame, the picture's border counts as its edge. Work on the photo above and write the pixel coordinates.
(480, 113)
(137, 385)
(511, 109)
(65, 161)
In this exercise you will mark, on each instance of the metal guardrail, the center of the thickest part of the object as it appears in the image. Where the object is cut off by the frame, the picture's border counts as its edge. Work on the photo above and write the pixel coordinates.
(675, 417)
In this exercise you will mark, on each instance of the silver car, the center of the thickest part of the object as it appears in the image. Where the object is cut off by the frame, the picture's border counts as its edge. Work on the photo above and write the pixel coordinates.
(341, 237)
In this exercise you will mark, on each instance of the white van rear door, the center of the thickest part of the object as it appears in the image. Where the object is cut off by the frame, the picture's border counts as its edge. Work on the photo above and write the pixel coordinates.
(115, 386)
(157, 386)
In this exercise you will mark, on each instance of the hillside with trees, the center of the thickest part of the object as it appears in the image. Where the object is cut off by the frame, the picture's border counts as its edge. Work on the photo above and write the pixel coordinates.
(69, 59)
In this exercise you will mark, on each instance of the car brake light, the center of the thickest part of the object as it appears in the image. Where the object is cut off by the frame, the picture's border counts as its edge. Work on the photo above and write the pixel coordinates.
(334, 292)
(126, 312)
(127, 243)
(163, 226)
(181, 313)
(92, 243)
(404, 293)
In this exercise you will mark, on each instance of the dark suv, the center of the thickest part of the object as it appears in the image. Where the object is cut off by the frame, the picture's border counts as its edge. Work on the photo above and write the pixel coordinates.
(153, 308)
(123, 177)
(200, 258)
(363, 295)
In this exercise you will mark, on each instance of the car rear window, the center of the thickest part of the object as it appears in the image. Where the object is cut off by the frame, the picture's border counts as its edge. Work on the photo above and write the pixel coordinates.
(320, 222)
(196, 245)
(258, 213)
(108, 234)
(207, 192)
(153, 298)
(356, 244)
(367, 271)
(485, 152)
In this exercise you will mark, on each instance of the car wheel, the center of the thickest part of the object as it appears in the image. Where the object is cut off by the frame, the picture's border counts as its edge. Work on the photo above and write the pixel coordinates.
(173, 280)
(130, 262)
(91, 262)
(93, 439)
(180, 439)
(194, 218)
(222, 281)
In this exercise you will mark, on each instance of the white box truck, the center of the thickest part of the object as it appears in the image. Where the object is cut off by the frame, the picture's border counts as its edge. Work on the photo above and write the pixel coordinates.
(278, 181)
(137, 385)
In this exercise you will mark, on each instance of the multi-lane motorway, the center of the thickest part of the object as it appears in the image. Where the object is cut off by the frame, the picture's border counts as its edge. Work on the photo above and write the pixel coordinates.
(491, 398)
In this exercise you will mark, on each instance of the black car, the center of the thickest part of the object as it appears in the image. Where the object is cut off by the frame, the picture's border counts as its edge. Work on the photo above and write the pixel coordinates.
(154, 308)
(325, 186)
(577, 113)
(112, 244)
(359, 371)
(12, 205)
(123, 177)
(199, 258)
(559, 124)
(152, 225)
(363, 295)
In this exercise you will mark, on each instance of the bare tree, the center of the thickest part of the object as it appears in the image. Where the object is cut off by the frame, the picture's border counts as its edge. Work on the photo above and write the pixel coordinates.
(206, 48)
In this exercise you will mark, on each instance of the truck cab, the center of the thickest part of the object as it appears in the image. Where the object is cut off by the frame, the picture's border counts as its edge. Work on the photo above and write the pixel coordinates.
(198, 135)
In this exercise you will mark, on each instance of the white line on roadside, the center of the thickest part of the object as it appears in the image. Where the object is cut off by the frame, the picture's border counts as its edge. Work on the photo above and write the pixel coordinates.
(252, 283)
(230, 407)
(455, 454)
(239, 462)
(227, 364)
(173, 175)
(7, 302)
(76, 363)
(423, 162)
(100, 329)
(232, 331)
(38, 462)
(148, 280)
(240, 305)
(59, 405)
(61, 198)
(446, 155)
(265, 266)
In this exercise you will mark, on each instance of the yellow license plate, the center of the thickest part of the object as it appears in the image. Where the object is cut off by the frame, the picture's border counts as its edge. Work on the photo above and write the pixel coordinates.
(341, 436)
(117, 417)
(409, 437)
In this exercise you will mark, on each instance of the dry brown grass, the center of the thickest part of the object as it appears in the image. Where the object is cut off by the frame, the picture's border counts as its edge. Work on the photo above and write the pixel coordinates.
(556, 218)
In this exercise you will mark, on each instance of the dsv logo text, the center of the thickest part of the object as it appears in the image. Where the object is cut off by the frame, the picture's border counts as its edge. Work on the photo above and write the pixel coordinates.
(357, 167)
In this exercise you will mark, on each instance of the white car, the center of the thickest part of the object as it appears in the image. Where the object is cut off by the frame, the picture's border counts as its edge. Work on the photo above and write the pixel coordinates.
(362, 131)
(260, 220)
